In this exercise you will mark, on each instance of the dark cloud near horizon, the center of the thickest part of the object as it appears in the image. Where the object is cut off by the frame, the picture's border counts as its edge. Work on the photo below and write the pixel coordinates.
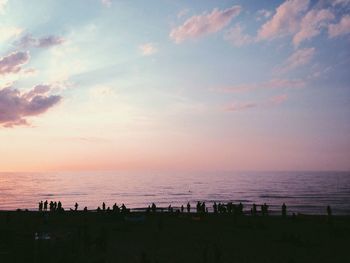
(28, 41)
(15, 106)
(13, 62)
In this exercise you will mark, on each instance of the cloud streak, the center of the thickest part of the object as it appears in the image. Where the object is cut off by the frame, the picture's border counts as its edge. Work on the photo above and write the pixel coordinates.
(299, 58)
(15, 107)
(311, 25)
(205, 24)
(273, 101)
(13, 62)
(341, 28)
(28, 41)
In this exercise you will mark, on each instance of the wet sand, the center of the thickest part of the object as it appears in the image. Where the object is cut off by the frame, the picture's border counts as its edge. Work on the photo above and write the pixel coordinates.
(163, 237)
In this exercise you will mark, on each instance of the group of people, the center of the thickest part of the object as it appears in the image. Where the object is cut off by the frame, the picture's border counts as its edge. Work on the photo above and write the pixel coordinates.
(236, 209)
(264, 209)
(53, 206)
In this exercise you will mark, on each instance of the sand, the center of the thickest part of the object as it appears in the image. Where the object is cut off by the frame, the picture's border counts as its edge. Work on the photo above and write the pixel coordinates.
(163, 237)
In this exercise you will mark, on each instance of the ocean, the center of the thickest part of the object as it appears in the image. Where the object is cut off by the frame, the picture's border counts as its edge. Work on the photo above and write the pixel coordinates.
(303, 192)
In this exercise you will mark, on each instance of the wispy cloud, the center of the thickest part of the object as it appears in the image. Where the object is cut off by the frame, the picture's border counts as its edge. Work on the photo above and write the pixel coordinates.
(271, 102)
(237, 37)
(311, 25)
(341, 28)
(285, 21)
(299, 58)
(276, 100)
(241, 106)
(28, 41)
(148, 49)
(13, 62)
(15, 107)
(200, 25)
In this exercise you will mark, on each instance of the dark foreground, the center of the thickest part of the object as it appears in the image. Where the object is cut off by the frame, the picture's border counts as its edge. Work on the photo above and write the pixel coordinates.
(162, 237)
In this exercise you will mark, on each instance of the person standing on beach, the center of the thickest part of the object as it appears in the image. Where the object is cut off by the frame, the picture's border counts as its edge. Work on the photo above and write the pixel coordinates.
(45, 205)
(284, 210)
(76, 206)
(188, 207)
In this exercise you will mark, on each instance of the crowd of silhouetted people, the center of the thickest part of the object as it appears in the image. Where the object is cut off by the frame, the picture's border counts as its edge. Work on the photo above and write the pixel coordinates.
(201, 208)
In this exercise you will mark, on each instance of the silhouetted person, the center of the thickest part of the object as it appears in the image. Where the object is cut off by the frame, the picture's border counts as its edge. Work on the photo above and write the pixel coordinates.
(182, 208)
(215, 208)
(51, 206)
(41, 206)
(76, 207)
(266, 209)
(203, 207)
(170, 209)
(45, 205)
(284, 210)
(240, 208)
(198, 207)
(124, 209)
(254, 209)
(329, 211)
(154, 207)
(55, 206)
(103, 206)
(98, 209)
(85, 209)
(188, 207)
(59, 206)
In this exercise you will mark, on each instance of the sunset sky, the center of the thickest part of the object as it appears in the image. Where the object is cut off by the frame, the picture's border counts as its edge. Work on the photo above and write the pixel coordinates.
(174, 85)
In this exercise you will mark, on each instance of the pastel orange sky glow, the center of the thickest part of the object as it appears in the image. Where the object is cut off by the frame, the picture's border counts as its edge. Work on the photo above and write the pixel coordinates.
(215, 85)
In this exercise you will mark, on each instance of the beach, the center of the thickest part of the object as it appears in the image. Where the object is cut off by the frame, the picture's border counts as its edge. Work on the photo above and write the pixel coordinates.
(77, 236)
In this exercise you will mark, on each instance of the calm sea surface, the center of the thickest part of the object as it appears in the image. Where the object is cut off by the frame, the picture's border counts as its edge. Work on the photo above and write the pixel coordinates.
(304, 192)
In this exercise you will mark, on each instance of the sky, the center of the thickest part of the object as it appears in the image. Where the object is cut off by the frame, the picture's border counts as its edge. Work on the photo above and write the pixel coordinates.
(174, 85)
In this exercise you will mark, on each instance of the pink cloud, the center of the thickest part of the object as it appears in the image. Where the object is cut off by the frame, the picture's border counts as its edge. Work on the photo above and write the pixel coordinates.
(278, 99)
(16, 106)
(299, 58)
(341, 28)
(285, 21)
(13, 62)
(273, 101)
(197, 26)
(236, 36)
(311, 25)
(28, 41)
(241, 106)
